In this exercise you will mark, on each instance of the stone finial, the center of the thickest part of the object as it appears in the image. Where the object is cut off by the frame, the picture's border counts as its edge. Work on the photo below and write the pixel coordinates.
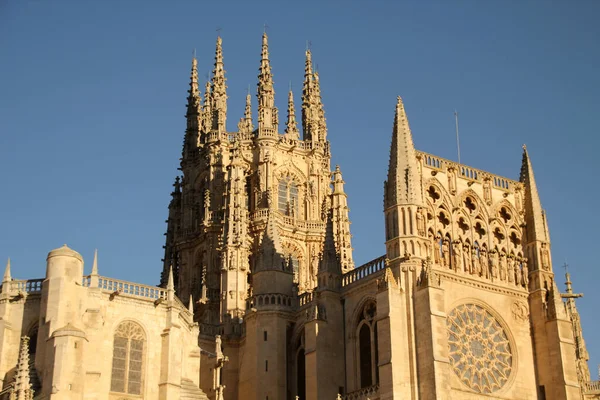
(7, 277)
(22, 387)
(191, 305)
(267, 112)
(245, 125)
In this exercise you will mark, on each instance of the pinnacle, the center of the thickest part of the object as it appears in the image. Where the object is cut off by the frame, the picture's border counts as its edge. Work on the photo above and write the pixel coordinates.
(291, 124)
(170, 284)
(534, 214)
(7, 276)
(95, 264)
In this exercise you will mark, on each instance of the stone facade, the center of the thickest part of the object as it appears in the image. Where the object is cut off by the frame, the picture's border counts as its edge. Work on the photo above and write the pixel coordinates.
(462, 305)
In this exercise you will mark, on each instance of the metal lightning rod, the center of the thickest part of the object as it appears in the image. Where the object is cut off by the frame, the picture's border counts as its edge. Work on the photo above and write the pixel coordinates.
(457, 140)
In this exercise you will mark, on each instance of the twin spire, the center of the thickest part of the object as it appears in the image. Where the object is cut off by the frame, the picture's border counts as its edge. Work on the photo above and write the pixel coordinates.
(402, 185)
(209, 114)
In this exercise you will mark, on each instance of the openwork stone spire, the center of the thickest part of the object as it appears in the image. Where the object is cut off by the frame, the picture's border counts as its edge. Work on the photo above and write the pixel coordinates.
(403, 183)
(313, 115)
(534, 214)
(341, 221)
(219, 91)
(291, 126)
(22, 389)
(267, 112)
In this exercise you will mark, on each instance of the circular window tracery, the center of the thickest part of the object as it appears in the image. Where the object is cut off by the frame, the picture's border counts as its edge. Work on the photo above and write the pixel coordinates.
(480, 350)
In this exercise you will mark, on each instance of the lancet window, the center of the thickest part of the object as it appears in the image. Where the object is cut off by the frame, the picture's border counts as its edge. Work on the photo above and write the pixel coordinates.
(366, 333)
(288, 196)
(128, 358)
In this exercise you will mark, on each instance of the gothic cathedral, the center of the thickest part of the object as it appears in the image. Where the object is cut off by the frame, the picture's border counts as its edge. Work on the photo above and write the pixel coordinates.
(462, 305)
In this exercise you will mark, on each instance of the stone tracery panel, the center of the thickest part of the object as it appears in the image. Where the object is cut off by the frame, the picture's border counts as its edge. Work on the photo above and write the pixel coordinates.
(480, 351)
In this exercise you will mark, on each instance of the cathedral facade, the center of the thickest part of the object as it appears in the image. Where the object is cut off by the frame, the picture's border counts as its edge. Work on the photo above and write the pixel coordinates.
(463, 304)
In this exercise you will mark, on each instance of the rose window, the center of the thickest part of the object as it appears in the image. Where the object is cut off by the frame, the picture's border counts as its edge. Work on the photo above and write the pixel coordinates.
(480, 351)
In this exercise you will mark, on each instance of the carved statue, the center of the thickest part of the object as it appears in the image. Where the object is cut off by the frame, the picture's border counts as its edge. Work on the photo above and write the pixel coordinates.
(494, 263)
(484, 264)
(510, 263)
(457, 257)
(475, 266)
(467, 264)
(525, 273)
(502, 266)
(487, 191)
(452, 180)
(420, 221)
(545, 257)
(446, 253)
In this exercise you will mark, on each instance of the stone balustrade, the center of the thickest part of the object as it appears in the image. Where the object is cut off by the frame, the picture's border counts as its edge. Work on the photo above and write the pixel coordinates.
(269, 299)
(370, 392)
(363, 271)
(28, 286)
(132, 289)
(305, 298)
(592, 387)
(472, 174)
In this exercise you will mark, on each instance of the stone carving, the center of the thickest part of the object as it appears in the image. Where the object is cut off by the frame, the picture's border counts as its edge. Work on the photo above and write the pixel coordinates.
(420, 221)
(457, 256)
(545, 256)
(525, 273)
(502, 267)
(519, 311)
(494, 263)
(510, 265)
(479, 349)
(446, 253)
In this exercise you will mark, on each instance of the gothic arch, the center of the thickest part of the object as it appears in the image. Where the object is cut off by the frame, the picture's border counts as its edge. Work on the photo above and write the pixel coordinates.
(445, 197)
(496, 210)
(358, 309)
(481, 208)
(289, 168)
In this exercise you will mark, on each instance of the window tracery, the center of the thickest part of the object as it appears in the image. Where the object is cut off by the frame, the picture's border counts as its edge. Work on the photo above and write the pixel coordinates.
(480, 350)
(367, 349)
(288, 196)
(128, 356)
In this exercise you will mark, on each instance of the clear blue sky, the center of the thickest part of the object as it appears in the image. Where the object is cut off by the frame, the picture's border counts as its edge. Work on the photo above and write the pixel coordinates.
(92, 98)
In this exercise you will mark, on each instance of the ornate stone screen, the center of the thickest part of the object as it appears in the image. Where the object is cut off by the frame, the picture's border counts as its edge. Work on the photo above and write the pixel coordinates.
(480, 350)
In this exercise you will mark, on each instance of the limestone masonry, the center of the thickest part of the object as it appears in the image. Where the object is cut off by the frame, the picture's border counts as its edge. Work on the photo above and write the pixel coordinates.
(259, 297)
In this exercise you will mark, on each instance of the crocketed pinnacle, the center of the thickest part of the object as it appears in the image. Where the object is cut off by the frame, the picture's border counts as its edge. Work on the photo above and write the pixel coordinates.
(267, 113)
(193, 114)
(170, 282)
(207, 109)
(193, 104)
(291, 126)
(219, 90)
(270, 254)
(534, 214)
(330, 260)
(402, 185)
(22, 387)
(245, 125)
(313, 115)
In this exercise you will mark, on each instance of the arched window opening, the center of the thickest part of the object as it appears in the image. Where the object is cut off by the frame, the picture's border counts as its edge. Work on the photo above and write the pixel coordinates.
(128, 357)
(301, 375)
(288, 196)
(367, 350)
(365, 356)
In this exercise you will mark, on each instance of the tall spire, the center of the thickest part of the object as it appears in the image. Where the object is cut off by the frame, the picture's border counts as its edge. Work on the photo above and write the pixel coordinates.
(193, 114)
(341, 221)
(219, 91)
(7, 277)
(402, 185)
(270, 254)
(245, 125)
(291, 126)
(313, 115)
(330, 261)
(171, 285)
(534, 214)
(22, 387)
(267, 112)
(206, 112)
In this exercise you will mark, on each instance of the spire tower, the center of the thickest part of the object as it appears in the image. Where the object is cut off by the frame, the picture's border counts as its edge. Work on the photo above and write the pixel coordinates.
(245, 125)
(313, 115)
(267, 112)
(219, 91)
(193, 114)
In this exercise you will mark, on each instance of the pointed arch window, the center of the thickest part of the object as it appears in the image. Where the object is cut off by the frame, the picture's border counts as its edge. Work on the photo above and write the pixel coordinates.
(367, 349)
(128, 358)
(288, 196)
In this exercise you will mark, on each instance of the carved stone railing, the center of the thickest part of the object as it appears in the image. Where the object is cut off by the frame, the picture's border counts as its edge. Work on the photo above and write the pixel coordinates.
(305, 298)
(29, 286)
(592, 387)
(263, 213)
(464, 171)
(131, 289)
(371, 392)
(363, 271)
(269, 300)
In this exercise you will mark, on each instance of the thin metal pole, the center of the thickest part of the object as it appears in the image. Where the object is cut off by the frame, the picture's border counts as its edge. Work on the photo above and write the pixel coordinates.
(457, 140)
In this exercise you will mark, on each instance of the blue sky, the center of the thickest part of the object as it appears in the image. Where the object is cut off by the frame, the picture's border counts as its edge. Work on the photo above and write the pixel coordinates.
(93, 97)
